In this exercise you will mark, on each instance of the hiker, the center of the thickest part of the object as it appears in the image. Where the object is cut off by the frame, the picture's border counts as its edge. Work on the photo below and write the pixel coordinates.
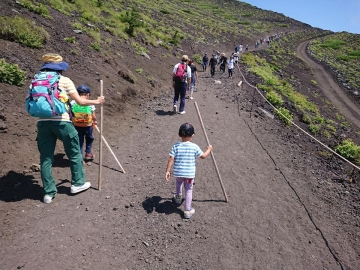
(84, 119)
(212, 64)
(236, 48)
(181, 80)
(246, 47)
(230, 65)
(194, 77)
(236, 58)
(183, 155)
(240, 48)
(205, 61)
(60, 127)
(222, 62)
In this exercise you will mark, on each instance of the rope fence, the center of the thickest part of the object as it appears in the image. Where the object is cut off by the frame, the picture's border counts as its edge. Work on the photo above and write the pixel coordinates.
(292, 122)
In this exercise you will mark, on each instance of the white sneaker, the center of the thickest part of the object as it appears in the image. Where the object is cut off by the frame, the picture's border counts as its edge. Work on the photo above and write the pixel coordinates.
(175, 108)
(191, 98)
(78, 189)
(189, 214)
(183, 112)
(47, 199)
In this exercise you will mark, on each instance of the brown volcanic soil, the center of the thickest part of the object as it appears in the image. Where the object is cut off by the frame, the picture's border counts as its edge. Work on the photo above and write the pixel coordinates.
(288, 207)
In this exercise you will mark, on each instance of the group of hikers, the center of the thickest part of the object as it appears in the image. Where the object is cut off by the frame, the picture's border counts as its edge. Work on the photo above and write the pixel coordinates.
(74, 123)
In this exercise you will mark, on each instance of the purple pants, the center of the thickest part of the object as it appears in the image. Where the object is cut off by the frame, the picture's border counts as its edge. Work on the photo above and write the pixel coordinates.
(188, 185)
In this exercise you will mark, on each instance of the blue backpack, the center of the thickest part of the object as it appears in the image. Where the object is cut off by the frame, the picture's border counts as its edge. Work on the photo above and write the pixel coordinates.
(45, 99)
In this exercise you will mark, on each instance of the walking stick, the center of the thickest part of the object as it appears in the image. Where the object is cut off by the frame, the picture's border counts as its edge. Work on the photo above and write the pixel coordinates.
(101, 129)
(212, 154)
(108, 146)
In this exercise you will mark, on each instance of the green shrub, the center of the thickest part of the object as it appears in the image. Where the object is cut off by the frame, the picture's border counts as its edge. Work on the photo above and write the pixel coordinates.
(348, 149)
(11, 74)
(314, 129)
(164, 11)
(274, 98)
(306, 118)
(22, 31)
(333, 44)
(132, 19)
(37, 8)
(175, 40)
(96, 46)
(326, 134)
(197, 58)
(139, 70)
(70, 39)
(284, 115)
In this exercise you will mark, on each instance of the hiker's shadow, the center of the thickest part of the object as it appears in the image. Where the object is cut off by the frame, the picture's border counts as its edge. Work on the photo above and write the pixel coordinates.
(18, 186)
(164, 113)
(154, 204)
(60, 161)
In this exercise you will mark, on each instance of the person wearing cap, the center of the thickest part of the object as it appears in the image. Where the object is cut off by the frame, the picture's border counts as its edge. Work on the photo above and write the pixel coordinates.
(180, 87)
(84, 119)
(49, 130)
(205, 61)
(183, 156)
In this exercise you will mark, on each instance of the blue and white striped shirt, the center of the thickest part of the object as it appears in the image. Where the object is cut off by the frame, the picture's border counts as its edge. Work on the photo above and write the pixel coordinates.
(185, 154)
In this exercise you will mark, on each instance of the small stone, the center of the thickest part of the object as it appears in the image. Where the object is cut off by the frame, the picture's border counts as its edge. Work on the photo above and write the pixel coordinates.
(145, 243)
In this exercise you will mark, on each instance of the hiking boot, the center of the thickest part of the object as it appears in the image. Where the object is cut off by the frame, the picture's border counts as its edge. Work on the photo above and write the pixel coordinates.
(177, 200)
(48, 198)
(78, 189)
(183, 112)
(175, 108)
(189, 214)
(89, 156)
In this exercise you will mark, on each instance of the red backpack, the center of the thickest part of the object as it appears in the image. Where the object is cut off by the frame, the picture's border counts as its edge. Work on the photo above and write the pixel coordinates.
(180, 74)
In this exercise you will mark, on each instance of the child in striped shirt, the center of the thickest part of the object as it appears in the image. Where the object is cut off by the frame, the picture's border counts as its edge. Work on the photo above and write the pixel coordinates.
(183, 155)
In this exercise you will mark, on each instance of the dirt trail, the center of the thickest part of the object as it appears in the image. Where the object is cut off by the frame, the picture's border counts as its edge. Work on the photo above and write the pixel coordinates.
(330, 88)
(132, 224)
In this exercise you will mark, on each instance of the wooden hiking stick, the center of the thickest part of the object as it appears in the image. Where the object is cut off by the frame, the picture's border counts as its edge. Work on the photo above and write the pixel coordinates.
(101, 129)
(212, 154)
(108, 146)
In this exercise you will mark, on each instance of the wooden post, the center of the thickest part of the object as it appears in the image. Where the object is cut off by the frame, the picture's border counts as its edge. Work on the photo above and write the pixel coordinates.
(101, 141)
(212, 154)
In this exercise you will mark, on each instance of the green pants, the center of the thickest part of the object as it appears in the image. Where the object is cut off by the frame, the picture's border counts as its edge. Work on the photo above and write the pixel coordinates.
(48, 133)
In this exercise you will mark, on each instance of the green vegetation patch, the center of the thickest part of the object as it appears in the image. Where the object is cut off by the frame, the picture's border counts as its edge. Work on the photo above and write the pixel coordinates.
(22, 31)
(11, 73)
(35, 7)
(349, 150)
(333, 44)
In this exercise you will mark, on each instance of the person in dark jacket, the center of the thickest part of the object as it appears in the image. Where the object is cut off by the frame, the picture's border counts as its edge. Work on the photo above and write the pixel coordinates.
(205, 62)
(212, 64)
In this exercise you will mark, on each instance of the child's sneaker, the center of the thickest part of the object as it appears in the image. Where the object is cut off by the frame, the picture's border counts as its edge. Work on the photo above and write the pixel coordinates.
(177, 200)
(189, 214)
(89, 156)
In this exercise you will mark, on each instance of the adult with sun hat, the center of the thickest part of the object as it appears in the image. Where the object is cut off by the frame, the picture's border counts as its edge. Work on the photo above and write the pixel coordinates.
(61, 127)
